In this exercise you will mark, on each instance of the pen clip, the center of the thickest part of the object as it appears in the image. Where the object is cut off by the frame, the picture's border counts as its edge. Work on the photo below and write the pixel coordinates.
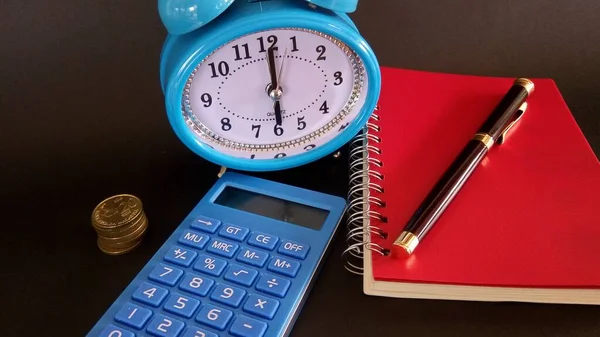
(518, 116)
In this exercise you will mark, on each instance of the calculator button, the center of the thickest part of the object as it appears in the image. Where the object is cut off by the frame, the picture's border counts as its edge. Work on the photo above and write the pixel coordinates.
(165, 274)
(222, 248)
(206, 224)
(261, 306)
(247, 327)
(181, 305)
(150, 294)
(240, 275)
(114, 331)
(284, 266)
(210, 265)
(163, 326)
(214, 317)
(228, 295)
(193, 331)
(273, 285)
(263, 240)
(253, 257)
(196, 284)
(293, 249)
(193, 239)
(133, 315)
(234, 232)
(180, 256)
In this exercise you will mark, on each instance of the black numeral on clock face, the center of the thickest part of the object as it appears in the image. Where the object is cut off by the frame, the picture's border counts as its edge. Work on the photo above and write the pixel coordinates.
(338, 78)
(206, 99)
(257, 128)
(225, 124)
(324, 108)
(280, 155)
(246, 52)
(294, 44)
(272, 39)
(222, 69)
(301, 123)
(321, 50)
(278, 130)
(309, 147)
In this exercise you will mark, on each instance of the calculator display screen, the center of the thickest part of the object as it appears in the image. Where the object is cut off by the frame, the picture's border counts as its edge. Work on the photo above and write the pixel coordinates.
(274, 208)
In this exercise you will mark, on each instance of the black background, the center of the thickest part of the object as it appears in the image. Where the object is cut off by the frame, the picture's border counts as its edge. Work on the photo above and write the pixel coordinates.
(82, 118)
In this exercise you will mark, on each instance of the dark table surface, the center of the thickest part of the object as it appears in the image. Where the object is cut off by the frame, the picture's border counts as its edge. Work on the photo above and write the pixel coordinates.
(82, 118)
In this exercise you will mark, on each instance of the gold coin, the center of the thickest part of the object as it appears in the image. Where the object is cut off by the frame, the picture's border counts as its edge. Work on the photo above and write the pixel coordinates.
(120, 224)
(118, 251)
(124, 230)
(124, 239)
(116, 211)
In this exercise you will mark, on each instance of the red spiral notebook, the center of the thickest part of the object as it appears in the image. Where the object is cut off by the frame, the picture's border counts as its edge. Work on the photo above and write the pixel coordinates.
(526, 225)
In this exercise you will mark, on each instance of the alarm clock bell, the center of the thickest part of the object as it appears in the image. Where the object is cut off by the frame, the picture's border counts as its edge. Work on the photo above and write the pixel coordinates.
(184, 16)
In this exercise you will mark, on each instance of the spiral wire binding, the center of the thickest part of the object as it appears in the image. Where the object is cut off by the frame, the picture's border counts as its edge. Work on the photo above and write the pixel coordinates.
(363, 178)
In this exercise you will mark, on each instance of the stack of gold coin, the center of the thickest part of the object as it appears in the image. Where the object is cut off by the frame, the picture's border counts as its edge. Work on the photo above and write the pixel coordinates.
(120, 223)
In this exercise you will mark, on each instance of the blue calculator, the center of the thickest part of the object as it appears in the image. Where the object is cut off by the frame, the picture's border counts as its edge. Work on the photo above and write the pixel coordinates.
(242, 263)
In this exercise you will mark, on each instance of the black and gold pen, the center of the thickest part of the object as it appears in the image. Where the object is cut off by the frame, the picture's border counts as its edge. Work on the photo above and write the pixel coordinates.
(508, 111)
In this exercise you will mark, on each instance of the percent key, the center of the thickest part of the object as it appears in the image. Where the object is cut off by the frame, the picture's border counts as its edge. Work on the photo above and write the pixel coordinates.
(210, 265)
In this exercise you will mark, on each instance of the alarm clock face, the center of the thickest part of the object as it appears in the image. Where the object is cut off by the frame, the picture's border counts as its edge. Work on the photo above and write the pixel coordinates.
(274, 94)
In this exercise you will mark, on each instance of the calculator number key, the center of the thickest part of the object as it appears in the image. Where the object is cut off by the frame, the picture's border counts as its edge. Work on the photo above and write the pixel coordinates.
(114, 331)
(228, 295)
(133, 315)
(163, 326)
(150, 294)
(196, 284)
(214, 317)
(181, 305)
(165, 274)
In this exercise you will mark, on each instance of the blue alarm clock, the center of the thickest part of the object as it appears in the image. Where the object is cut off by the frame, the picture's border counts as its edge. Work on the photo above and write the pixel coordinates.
(262, 85)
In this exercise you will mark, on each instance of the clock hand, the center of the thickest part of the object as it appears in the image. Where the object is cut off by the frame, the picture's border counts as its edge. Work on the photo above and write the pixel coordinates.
(281, 67)
(274, 90)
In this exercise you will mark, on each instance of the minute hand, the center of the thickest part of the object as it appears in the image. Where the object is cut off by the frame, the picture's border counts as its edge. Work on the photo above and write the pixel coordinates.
(274, 91)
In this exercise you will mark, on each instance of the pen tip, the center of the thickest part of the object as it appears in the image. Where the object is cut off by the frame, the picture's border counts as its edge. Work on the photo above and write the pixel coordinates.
(526, 83)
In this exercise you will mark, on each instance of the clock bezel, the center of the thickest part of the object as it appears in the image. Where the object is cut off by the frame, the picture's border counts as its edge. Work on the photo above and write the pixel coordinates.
(206, 42)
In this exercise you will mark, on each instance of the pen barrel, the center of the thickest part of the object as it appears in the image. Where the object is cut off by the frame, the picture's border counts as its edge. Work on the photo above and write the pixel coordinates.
(506, 109)
(446, 189)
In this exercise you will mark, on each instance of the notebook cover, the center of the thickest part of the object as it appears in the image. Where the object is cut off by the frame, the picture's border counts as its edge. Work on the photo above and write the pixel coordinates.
(530, 213)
